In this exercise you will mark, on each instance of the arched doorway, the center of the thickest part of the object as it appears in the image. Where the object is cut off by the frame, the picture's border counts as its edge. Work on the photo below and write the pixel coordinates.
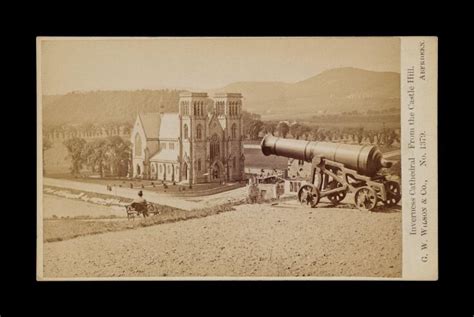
(216, 171)
(139, 170)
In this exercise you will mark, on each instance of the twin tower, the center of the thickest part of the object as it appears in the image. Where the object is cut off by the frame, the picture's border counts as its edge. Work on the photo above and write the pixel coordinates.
(211, 134)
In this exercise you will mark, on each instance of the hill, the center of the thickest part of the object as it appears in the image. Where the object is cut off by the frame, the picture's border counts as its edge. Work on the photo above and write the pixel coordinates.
(101, 107)
(335, 90)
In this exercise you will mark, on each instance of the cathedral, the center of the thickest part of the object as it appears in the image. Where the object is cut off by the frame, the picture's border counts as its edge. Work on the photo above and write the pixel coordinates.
(201, 143)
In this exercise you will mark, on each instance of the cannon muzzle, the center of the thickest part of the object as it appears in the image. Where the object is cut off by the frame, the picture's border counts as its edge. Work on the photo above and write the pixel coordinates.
(365, 159)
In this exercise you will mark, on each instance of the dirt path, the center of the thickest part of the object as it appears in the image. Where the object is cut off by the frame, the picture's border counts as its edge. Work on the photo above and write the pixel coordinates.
(185, 203)
(254, 240)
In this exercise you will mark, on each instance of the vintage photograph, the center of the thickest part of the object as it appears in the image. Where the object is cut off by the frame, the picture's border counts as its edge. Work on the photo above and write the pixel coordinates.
(220, 158)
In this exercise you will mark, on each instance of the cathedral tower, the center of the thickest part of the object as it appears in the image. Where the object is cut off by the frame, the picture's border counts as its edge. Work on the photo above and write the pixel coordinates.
(193, 118)
(228, 108)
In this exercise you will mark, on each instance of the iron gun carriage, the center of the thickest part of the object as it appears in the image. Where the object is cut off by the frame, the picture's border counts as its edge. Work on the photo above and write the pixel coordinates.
(338, 169)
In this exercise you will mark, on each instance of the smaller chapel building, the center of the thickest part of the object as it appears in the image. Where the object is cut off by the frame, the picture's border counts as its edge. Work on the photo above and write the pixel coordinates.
(201, 143)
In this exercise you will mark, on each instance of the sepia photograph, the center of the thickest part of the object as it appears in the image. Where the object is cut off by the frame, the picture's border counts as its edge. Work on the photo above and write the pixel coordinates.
(232, 158)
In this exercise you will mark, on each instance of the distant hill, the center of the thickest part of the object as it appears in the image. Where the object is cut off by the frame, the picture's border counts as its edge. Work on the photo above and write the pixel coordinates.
(102, 107)
(336, 90)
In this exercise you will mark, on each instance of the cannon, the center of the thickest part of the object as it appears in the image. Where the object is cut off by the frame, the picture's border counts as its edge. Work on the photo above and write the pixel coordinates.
(338, 169)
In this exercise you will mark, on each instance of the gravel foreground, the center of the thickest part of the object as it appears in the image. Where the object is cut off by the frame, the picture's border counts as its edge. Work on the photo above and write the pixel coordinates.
(285, 240)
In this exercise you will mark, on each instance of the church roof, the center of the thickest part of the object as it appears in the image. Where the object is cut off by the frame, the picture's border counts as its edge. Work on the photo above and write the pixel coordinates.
(151, 124)
(169, 128)
(165, 155)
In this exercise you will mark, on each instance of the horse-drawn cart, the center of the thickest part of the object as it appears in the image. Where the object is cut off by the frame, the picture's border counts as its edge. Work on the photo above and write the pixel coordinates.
(136, 209)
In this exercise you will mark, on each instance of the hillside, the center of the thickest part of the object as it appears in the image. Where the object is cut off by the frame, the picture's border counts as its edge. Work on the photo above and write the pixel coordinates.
(101, 107)
(336, 90)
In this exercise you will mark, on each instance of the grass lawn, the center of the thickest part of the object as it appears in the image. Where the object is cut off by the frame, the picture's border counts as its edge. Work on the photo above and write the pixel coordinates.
(64, 229)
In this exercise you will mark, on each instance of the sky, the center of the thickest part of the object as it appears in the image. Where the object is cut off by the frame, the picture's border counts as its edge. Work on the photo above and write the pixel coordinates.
(78, 64)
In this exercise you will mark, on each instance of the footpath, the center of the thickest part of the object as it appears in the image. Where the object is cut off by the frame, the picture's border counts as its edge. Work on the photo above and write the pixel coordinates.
(158, 198)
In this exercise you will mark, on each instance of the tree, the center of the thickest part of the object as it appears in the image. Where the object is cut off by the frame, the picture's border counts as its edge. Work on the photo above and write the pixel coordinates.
(305, 131)
(359, 134)
(75, 147)
(117, 155)
(93, 155)
(295, 130)
(283, 128)
(46, 146)
(111, 154)
(254, 129)
(269, 127)
(315, 133)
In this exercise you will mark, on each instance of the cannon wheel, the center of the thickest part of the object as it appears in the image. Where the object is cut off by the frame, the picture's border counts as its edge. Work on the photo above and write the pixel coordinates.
(393, 193)
(308, 194)
(338, 197)
(365, 198)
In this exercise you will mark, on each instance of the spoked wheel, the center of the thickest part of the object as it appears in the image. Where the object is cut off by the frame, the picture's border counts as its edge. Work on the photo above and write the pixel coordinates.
(365, 198)
(393, 193)
(337, 197)
(130, 212)
(309, 195)
(150, 207)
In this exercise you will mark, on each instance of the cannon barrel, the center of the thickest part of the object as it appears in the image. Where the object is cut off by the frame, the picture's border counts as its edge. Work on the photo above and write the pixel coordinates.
(365, 159)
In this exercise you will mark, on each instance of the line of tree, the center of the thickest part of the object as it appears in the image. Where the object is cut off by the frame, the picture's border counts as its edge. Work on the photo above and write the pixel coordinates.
(296, 130)
(89, 130)
(106, 156)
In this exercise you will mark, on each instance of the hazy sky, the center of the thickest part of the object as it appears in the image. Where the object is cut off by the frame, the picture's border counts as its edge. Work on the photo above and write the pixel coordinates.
(193, 63)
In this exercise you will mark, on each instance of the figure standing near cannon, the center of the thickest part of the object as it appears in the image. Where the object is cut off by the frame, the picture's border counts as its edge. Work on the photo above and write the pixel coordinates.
(338, 169)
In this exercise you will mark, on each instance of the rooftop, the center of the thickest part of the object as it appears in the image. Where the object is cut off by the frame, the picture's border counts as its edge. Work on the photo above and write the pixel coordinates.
(227, 95)
(151, 124)
(193, 94)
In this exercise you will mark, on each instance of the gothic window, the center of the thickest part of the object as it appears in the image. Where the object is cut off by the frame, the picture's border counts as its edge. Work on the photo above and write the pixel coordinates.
(185, 131)
(138, 145)
(199, 132)
(199, 164)
(214, 147)
(161, 168)
(234, 165)
(234, 131)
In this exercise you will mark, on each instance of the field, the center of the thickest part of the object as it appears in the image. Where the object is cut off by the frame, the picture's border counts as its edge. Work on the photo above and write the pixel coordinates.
(66, 218)
(284, 239)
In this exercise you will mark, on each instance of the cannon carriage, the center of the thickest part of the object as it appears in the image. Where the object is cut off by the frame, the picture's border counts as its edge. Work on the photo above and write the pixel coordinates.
(338, 169)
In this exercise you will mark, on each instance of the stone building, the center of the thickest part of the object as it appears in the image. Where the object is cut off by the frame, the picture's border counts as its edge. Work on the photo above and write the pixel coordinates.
(199, 144)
